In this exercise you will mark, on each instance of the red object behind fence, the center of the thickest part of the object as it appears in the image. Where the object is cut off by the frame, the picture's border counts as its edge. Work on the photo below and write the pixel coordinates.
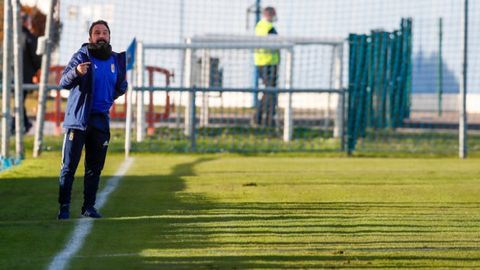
(151, 115)
(57, 115)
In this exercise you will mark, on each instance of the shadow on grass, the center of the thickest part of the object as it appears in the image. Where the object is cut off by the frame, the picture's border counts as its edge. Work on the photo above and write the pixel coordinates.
(153, 222)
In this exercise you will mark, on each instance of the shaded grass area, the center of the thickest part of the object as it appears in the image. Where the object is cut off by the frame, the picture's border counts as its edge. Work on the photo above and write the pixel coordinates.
(230, 211)
(29, 232)
(233, 212)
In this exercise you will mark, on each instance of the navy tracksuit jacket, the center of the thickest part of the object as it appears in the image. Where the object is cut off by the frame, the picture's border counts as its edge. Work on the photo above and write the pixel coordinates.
(83, 128)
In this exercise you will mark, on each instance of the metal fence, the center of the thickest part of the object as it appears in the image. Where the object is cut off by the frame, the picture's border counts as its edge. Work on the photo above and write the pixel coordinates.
(217, 106)
(232, 128)
(443, 93)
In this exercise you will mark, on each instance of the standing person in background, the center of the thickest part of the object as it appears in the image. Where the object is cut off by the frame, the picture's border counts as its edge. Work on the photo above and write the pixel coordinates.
(96, 76)
(266, 62)
(31, 63)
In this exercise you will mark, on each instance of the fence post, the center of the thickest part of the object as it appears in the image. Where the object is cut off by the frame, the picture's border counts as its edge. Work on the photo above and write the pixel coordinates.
(151, 106)
(463, 88)
(205, 82)
(181, 60)
(330, 86)
(18, 79)
(7, 77)
(128, 116)
(42, 95)
(140, 67)
(188, 84)
(339, 130)
(288, 117)
(440, 66)
(192, 97)
(352, 78)
(58, 112)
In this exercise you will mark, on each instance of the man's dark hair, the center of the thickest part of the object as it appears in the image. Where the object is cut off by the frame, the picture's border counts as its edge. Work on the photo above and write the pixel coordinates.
(98, 22)
(269, 10)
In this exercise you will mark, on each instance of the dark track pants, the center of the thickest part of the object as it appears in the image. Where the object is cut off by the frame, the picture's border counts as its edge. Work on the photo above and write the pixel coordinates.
(96, 144)
(266, 109)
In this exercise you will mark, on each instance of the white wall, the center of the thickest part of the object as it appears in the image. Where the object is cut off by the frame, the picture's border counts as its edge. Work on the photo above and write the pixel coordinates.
(429, 102)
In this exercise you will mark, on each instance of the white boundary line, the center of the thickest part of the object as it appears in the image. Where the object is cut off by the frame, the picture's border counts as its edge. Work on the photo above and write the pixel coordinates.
(83, 226)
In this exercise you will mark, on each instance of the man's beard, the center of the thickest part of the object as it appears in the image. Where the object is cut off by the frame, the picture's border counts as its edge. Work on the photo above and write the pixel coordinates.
(101, 50)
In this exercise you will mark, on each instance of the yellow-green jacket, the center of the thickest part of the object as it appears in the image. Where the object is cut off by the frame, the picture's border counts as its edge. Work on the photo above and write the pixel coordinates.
(265, 57)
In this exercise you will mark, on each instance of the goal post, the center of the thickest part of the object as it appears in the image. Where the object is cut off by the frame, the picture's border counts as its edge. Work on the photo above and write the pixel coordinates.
(216, 75)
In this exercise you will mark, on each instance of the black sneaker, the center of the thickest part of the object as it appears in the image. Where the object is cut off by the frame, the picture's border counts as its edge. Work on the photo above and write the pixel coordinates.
(90, 212)
(64, 212)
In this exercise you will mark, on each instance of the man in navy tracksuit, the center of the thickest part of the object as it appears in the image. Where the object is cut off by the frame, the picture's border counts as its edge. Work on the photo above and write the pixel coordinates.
(96, 77)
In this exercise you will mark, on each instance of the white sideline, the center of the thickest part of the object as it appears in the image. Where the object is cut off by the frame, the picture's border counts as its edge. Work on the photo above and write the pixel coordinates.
(84, 225)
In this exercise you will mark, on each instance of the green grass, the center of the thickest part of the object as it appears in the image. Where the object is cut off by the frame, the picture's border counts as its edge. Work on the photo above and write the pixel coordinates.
(379, 143)
(228, 211)
(29, 233)
(259, 141)
(238, 139)
(416, 143)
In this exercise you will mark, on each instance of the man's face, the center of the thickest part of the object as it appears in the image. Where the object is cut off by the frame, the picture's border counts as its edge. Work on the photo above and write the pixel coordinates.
(271, 16)
(100, 34)
(27, 20)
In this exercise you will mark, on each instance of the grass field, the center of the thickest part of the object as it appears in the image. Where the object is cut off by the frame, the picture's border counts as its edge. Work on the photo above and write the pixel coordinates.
(225, 211)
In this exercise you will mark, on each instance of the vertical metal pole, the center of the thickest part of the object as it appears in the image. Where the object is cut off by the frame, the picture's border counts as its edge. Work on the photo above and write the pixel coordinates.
(181, 60)
(151, 108)
(440, 66)
(6, 79)
(288, 113)
(257, 10)
(188, 84)
(338, 131)
(128, 122)
(181, 18)
(463, 89)
(191, 115)
(205, 82)
(18, 79)
(330, 85)
(255, 69)
(42, 95)
(140, 67)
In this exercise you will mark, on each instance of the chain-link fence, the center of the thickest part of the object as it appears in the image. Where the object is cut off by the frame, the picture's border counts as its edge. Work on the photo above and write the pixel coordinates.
(402, 92)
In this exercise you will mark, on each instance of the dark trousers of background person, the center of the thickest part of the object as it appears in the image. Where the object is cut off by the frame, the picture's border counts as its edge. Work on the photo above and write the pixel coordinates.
(96, 144)
(27, 125)
(266, 108)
